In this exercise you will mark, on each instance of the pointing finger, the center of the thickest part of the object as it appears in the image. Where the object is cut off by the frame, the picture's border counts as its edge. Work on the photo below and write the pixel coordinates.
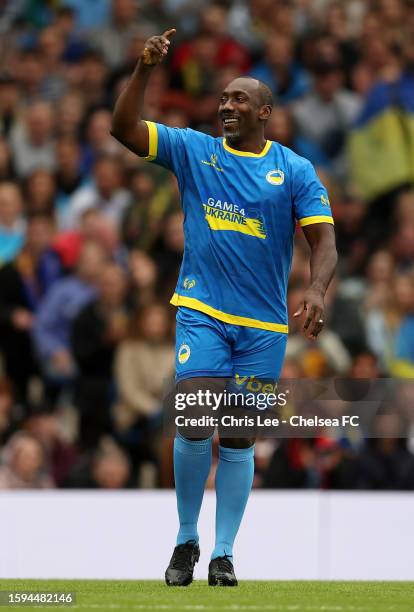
(169, 33)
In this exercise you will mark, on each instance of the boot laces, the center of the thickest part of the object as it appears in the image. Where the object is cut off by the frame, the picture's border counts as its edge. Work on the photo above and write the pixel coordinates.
(226, 564)
(183, 555)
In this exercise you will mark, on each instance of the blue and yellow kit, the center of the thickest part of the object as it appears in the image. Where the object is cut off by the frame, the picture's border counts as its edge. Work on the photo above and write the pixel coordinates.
(240, 213)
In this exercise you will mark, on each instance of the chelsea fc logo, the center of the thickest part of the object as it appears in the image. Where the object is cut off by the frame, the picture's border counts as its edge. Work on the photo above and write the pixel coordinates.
(184, 353)
(275, 177)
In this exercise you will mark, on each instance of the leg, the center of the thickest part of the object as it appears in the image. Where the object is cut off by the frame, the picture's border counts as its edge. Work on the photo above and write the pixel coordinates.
(256, 352)
(192, 462)
(200, 346)
(234, 479)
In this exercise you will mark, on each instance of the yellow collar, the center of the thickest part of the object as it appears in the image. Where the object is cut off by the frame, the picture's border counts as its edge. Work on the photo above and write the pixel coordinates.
(248, 153)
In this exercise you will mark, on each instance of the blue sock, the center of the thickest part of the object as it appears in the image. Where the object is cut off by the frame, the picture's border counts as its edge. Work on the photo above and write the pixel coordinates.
(234, 479)
(192, 462)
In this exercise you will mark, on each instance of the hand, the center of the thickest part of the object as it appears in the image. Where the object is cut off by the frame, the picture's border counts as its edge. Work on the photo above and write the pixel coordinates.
(156, 48)
(314, 305)
(22, 319)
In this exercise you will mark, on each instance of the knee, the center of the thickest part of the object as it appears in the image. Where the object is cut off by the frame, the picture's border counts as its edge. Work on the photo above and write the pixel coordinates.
(237, 442)
(188, 438)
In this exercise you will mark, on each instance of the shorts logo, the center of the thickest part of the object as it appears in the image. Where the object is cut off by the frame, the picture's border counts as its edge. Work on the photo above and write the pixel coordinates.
(189, 283)
(184, 353)
(275, 177)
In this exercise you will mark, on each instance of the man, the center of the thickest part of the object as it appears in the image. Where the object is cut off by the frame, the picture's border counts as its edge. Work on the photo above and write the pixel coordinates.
(96, 332)
(32, 140)
(59, 308)
(106, 195)
(241, 196)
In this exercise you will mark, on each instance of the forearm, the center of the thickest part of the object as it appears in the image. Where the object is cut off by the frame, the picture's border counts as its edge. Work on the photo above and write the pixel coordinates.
(128, 108)
(323, 262)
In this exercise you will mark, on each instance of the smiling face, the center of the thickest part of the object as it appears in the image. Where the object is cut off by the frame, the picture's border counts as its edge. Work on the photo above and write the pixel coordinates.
(245, 106)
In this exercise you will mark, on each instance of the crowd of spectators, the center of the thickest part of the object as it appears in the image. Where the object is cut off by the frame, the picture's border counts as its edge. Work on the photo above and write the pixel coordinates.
(91, 235)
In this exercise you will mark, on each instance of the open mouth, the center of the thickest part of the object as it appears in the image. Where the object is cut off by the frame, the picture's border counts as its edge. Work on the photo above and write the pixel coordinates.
(230, 121)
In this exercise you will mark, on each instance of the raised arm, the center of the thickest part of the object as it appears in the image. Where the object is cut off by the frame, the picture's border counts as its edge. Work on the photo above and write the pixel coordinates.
(323, 260)
(127, 124)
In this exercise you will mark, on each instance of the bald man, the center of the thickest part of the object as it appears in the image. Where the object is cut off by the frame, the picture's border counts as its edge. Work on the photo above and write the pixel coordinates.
(242, 196)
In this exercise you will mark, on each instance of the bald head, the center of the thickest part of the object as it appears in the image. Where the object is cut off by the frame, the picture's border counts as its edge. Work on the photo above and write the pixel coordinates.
(245, 106)
(257, 89)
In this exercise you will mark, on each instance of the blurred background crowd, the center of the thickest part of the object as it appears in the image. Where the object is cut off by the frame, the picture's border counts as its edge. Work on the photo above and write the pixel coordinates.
(91, 236)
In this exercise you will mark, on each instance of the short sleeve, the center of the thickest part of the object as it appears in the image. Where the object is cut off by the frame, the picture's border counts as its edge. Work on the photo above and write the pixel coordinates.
(167, 147)
(310, 198)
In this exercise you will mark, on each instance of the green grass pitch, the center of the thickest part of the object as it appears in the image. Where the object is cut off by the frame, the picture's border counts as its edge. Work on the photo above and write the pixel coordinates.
(113, 595)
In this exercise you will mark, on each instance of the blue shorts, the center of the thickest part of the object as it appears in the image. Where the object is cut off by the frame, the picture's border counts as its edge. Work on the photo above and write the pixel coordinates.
(207, 347)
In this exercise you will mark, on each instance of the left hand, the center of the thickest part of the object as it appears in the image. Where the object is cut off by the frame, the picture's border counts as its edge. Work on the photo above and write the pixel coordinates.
(314, 306)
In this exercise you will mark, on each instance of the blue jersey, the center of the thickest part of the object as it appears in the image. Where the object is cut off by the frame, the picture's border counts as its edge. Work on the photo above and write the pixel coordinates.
(240, 212)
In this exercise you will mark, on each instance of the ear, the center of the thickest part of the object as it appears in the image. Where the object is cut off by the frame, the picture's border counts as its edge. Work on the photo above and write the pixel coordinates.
(265, 112)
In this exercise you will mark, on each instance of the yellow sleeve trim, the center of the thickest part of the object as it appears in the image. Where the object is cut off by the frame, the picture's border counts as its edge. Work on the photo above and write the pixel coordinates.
(318, 219)
(152, 141)
(180, 300)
